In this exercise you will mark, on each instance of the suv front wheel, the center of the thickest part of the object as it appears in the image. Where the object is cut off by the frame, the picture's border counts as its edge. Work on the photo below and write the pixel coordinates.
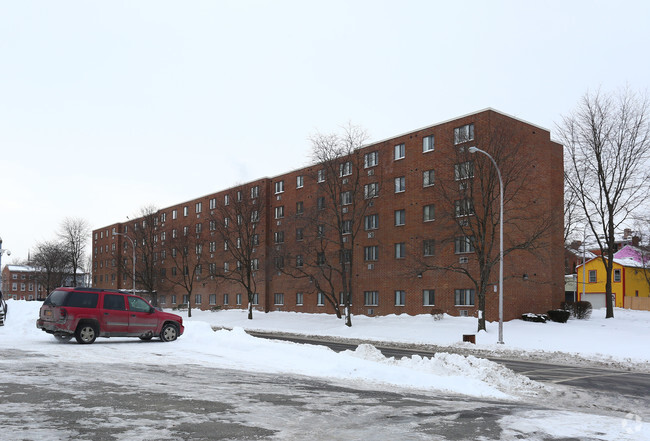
(86, 333)
(169, 332)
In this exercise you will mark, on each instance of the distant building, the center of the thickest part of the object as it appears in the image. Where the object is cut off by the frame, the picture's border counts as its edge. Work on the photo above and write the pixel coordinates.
(403, 175)
(22, 282)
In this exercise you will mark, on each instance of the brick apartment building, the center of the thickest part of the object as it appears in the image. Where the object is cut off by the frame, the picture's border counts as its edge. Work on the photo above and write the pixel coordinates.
(19, 282)
(412, 253)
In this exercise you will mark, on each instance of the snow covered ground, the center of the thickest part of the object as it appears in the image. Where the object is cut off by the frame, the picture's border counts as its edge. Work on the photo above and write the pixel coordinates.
(621, 339)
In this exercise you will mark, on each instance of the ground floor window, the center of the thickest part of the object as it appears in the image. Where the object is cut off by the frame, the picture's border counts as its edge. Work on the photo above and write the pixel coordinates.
(278, 298)
(162, 300)
(428, 297)
(464, 297)
(213, 299)
(225, 299)
(371, 298)
(256, 299)
(238, 299)
(320, 299)
(198, 299)
(299, 299)
(174, 299)
(400, 298)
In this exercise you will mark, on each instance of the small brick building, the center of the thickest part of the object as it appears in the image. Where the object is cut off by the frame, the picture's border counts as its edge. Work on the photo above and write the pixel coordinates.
(409, 255)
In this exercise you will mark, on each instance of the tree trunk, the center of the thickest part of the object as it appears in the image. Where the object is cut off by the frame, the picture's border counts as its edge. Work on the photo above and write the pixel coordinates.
(348, 317)
(250, 310)
(481, 312)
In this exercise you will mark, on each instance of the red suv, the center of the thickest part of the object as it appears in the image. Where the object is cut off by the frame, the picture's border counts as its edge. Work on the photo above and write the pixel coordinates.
(88, 313)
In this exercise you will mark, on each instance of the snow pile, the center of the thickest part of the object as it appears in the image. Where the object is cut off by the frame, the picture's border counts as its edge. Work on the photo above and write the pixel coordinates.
(237, 350)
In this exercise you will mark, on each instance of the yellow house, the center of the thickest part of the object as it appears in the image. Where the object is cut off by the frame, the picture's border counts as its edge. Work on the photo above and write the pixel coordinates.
(628, 280)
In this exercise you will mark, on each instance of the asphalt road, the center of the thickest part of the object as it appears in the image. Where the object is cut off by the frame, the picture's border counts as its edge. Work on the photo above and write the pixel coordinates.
(626, 383)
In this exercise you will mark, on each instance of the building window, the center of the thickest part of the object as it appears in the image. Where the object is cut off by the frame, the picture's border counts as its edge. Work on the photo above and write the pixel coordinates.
(256, 239)
(278, 298)
(173, 299)
(592, 276)
(279, 187)
(321, 175)
(464, 297)
(400, 298)
(464, 170)
(320, 258)
(174, 213)
(255, 216)
(278, 237)
(427, 178)
(213, 203)
(464, 244)
(279, 262)
(186, 211)
(300, 181)
(400, 217)
(226, 199)
(427, 144)
(255, 192)
(238, 299)
(370, 298)
(226, 299)
(198, 228)
(400, 151)
(299, 234)
(255, 264)
(226, 267)
(345, 169)
(320, 203)
(428, 213)
(198, 299)
(346, 198)
(464, 207)
(617, 275)
(400, 184)
(279, 212)
(239, 196)
(428, 297)
(320, 231)
(371, 190)
(256, 299)
(300, 207)
(299, 299)
(428, 246)
(198, 207)
(320, 299)
(346, 227)
(464, 133)
(371, 222)
(299, 261)
(186, 230)
(370, 159)
(400, 250)
(371, 253)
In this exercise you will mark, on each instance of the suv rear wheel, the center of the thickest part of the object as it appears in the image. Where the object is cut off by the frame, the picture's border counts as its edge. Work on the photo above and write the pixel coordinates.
(169, 332)
(86, 333)
(63, 337)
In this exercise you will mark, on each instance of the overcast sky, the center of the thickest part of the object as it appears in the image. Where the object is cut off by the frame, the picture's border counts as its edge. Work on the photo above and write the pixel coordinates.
(109, 106)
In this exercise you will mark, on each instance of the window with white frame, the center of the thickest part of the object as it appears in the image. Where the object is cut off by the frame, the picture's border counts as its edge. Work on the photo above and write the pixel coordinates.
(346, 226)
(226, 299)
(320, 203)
(464, 244)
(239, 196)
(226, 199)
(464, 170)
(255, 264)
(400, 298)
(300, 181)
(278, 298)
(617, 275)
(400, 184)
(256, 299)
(320, 299)
(255, 192)
(300, 207)
(279, 212)
(186, 211)
(371, 253)
(371, 222)
(464, 207)
(370, 159)
(213, 203)
(427, 178)
(300, 234)
(428, 297)
(300, 262)
(427, 144)
(399, 151)
(428, 213)
(371, 298)
(371, 190)
(174, 213)
(593, 276)
(238, 299)
(464, 133)
(428, 247)
(299, 299)
(346, 198)
(198, 207)
(279, 187)
(464, 297)
(278, 237)
(198, 299)
(321, 175)
(400, 217)
(400, 250)
(345, 169)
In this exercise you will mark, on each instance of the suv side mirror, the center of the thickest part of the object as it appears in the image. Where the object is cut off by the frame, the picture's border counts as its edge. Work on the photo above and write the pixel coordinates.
(152, 310)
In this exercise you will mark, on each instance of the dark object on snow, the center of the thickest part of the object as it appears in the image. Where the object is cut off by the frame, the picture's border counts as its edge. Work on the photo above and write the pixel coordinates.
(470, 338)
(580, 310)
(437, 314)
(559, 315)
(537, 318)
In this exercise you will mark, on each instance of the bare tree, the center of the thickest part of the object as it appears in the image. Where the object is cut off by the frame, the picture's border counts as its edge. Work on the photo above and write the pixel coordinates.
(607, 142)
(74, 234)
(472, 208)
(148, 242)
(236, 223)
(573, 217)
(51, 262)
(332, 226)
(186, 252)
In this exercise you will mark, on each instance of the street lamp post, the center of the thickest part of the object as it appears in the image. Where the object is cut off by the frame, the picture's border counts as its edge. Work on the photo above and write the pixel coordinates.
(115, 233)
(474, 150)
